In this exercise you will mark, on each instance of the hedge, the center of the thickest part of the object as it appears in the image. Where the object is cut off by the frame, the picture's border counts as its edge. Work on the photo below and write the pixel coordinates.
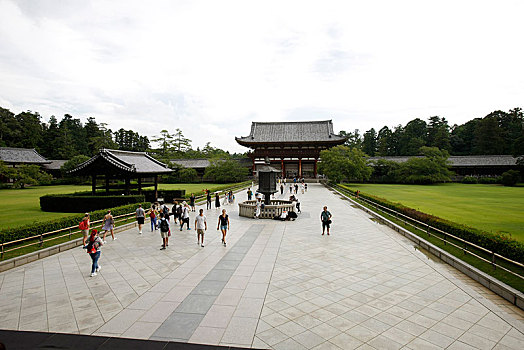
(11, 234)
(495, 242)
(78, 202)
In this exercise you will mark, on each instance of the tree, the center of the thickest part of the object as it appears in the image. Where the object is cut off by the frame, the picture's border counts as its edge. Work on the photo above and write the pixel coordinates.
(353, 139)
(369, 144)
(384, 171)
(29, 175)
(187, 175)
(487, 136)
(71, 164)
(510, 178)
(413, 137)
(225, 170)
(344, 163)
(438, 133)
(432, 168)
(166, 143)
(181, 143)
(384, 144)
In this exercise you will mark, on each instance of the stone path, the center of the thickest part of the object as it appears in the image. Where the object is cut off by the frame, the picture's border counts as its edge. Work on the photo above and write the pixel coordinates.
(277, 285)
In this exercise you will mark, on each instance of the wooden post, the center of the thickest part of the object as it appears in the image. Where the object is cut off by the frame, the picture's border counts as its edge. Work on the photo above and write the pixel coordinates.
(156, 187)
(93, 184)
(299, 167)
(139, 185)
(282, 168)
(107, 183)
(128, 185)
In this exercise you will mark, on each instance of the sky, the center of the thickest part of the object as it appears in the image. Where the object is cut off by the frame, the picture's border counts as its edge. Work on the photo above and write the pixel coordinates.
(211, 68)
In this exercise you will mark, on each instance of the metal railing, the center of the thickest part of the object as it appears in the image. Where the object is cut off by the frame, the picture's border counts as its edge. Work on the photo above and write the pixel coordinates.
(56, 234)
(40, 239)
(427, 229)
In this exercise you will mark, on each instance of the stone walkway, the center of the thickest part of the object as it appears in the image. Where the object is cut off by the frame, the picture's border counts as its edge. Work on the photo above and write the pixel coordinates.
(277, 285)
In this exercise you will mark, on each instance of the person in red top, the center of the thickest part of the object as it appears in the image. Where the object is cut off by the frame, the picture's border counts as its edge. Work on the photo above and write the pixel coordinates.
(84, 227)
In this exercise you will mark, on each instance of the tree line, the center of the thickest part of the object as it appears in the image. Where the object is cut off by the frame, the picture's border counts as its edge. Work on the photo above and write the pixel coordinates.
(498, 132)
(70, 138)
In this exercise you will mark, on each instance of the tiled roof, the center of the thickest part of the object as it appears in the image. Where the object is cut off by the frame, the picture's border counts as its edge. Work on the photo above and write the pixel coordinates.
(126, 161)
(55, 164)
(464, 161)
(294, 132)
(21, 155)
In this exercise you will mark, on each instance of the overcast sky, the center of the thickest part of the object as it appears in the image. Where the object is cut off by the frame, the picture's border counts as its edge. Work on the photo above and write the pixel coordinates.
(213, 67)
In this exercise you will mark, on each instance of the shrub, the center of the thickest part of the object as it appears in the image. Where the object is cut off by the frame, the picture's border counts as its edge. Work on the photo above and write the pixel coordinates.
(510, 178)
(36, 228)
(489, 180)
(469, 180)
(79, 202)
(497, 242)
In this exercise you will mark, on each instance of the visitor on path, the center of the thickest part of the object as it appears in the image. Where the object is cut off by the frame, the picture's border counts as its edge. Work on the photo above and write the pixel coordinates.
(290, 188)
(258, 208)
(153, 214)
(281, 189)
(305, 186)
(208, 200)
(93, 248)
(297, 204)
(325, 217)
(225, 201)
(296, 188)
(185, 216)
(201, 227)
(217, 201)
(249, 194)
(231, 197)
(192, 202)
(302, 187)
(165, 211)
(140, 218)
(84, 227)
(164, 231)
(223, 224)
(109, 224)
(178, 209)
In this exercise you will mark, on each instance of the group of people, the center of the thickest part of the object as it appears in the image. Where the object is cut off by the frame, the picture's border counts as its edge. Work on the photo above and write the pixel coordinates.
(92, 241)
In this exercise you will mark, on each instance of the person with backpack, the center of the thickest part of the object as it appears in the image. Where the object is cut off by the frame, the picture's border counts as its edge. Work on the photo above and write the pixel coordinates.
(249, 194)
(178, 212)
(325, 217)
(164, 231)
(93, 249)
(109, 224)
(84, 227)
(153, 217)
(140, 218)
(201, 227)
(165, 211)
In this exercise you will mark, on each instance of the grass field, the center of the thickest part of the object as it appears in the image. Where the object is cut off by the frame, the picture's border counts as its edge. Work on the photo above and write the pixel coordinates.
(22, 206)
(487, 207)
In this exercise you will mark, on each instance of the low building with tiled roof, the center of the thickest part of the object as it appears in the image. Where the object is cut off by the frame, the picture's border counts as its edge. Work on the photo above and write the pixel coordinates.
(291, 147)
(17, 156)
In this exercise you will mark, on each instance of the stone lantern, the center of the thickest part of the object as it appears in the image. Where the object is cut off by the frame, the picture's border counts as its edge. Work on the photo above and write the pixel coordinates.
(267, 181)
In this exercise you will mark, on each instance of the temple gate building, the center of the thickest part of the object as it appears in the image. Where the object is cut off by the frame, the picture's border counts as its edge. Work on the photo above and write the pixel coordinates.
(292, 147)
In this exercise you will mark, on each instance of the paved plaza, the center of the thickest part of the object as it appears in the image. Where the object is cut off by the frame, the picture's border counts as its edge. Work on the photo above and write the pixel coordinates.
(279, 285)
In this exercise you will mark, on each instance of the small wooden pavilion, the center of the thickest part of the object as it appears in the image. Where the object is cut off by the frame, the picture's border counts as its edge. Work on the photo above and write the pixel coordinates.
(125, 165)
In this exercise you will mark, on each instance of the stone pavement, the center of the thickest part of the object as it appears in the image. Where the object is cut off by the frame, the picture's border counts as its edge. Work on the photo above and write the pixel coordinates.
(277, 285)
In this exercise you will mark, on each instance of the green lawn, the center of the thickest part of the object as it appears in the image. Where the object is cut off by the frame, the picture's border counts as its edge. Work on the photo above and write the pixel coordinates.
(22, 206)
(487, 207)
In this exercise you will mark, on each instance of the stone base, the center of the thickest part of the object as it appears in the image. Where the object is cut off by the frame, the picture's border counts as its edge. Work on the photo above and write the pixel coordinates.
(275, 208)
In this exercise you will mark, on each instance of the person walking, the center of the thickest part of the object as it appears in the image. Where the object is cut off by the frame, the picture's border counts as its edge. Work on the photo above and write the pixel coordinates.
(177, 210)
(84, 227)
(185, 216)
(164, 231)
(109, 224)
(153, 217)
(192, 201)
(201, 227)
(249, 194)
(223, 224)
(208, 200)
(140, 218)
(217, 201)
(281, 189)
(93, 248)
(258, 208)
(290, 188)
(298, 204)
(325, 217)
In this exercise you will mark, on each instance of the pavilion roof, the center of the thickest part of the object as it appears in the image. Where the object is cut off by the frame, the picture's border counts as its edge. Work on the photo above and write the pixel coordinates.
(291, 132)
(121, 162)
(21, 155)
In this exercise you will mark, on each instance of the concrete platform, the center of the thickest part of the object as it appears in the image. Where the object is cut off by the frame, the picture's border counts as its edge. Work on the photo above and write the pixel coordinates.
(279, 285)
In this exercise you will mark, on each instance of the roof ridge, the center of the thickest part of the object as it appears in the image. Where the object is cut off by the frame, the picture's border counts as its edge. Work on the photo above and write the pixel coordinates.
(296, 122)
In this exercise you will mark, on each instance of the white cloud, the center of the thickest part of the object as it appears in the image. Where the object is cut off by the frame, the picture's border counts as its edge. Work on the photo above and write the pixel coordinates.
(212, 67)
